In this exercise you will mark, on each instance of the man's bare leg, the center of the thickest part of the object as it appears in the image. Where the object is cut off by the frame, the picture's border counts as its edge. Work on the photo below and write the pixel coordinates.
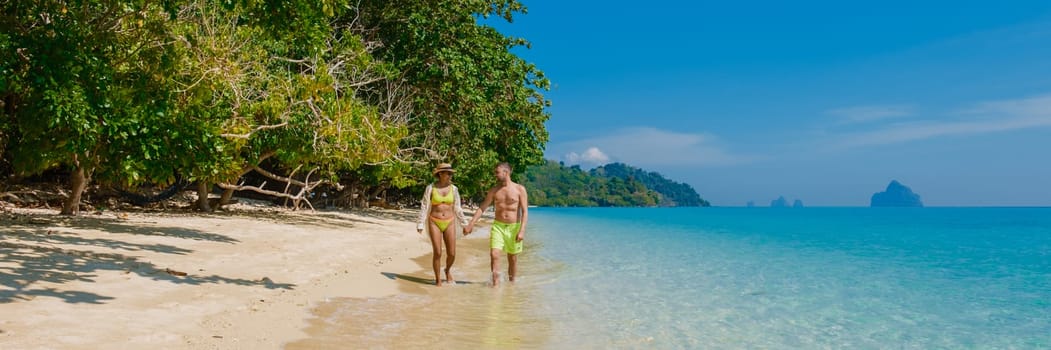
(450, 252)
(494, 264)
(512, 266)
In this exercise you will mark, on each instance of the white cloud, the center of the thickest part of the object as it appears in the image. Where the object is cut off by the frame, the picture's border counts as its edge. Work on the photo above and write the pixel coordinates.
(591, 156)
(646, 146)
(985, 117)
(865, 114)
(1039, 106)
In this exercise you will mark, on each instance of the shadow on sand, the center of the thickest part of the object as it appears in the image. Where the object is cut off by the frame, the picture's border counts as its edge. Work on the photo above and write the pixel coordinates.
(29, 254)
(420, 280)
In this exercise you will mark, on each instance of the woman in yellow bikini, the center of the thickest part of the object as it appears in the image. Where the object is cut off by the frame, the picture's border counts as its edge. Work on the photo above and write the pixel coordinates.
(442, 216)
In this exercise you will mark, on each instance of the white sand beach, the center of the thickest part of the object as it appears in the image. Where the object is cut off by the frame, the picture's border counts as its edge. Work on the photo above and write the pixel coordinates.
(244, 279)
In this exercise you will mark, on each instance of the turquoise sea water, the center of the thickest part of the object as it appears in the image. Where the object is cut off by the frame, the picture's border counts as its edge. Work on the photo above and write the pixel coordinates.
(916, 278)
(808, 278)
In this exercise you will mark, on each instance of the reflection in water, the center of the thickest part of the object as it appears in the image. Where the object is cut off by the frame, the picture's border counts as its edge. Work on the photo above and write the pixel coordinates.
(464, 316)
(502, 319)
(468, 315)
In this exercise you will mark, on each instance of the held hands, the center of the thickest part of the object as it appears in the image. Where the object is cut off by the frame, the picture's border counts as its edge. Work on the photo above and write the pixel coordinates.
(468, 229)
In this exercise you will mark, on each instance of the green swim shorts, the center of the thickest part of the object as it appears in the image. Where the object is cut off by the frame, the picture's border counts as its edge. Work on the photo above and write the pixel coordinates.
(503, 236)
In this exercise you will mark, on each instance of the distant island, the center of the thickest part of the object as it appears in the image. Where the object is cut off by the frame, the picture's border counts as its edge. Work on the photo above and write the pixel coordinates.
(780, 202)
(611, 185)
(896, 195)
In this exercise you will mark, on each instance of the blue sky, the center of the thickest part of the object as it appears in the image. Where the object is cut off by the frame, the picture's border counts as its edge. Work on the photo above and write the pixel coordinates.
(822, 101)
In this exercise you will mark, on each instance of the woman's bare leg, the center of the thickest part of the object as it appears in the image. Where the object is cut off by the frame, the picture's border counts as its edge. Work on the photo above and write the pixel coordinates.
(436, 252)
(450, 251)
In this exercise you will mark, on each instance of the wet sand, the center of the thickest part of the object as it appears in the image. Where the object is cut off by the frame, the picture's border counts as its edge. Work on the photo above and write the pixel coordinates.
(471, 314)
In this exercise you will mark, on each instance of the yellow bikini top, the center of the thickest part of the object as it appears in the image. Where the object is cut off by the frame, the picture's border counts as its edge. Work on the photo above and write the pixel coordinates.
(438, 198)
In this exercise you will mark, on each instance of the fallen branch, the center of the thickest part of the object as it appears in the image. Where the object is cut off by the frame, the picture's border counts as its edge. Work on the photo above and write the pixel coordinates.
(263, 191)
(294, 181)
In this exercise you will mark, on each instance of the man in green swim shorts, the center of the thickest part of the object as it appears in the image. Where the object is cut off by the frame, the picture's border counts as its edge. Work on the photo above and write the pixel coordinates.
(508, 231)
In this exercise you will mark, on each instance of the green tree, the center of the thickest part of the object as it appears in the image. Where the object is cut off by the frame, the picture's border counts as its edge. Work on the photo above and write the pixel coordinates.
(287, 94)
(475, 103)
(612, 185)
(305, 93)
(84, 88)
(672, 193)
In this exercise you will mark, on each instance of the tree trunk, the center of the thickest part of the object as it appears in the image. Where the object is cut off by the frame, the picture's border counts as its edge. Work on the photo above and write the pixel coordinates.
(373, 197)
(78, 183)
(225, 199)
(376, 192)
(203, 188)
(358, 196)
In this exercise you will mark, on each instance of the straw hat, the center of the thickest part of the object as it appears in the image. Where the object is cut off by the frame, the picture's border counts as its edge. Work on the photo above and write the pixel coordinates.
(443, 167)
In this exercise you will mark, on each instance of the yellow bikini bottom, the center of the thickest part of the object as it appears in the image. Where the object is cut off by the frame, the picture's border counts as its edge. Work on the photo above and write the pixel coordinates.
(442, 223)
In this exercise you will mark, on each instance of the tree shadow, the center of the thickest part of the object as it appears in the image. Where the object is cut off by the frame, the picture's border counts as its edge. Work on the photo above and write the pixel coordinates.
(110, 225)
(290, 218)
(34, 263)
(333, 218)
(330, 218)
(31, 255)
(52, 237)
(409, 215)
(116, 226)
(368, 216)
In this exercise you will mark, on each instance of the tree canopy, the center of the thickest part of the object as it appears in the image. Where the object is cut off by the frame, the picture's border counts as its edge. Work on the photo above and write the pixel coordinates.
(612, 185)
(673, 194)
(335, 97)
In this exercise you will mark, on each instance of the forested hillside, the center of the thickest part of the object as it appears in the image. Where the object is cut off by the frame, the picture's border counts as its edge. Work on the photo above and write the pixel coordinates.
(673, 194)
(331, 101)
(614, 185)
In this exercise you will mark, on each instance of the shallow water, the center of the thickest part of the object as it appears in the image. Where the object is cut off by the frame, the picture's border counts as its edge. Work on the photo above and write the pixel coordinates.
(876, 278)
(470, 314)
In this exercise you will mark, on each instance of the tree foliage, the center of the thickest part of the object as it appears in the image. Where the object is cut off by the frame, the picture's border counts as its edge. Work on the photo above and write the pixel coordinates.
(286, 92)
(553, 184)
(613, 185)
(363, 93)
(673, 194)
(85, 89)
(474, 102)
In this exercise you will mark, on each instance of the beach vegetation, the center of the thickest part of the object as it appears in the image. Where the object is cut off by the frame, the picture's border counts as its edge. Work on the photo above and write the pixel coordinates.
(307, 102)
(673, 193)
(474, 102)
(612, 185)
